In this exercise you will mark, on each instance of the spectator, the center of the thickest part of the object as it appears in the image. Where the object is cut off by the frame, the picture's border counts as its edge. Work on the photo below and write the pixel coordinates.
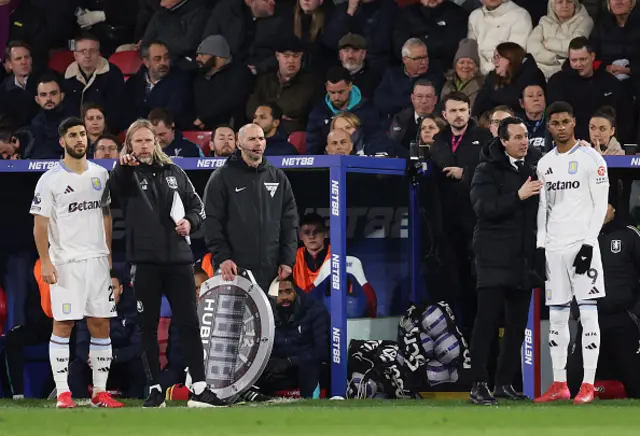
(602, 130)
(616, 41)
(146, 11)
(496, 115)
(268, 116)
(251, 28)
(18, 90)
(172, 142)
(126, 373)
(301, 343)
(587, 89)
(365, 144)
(107, 147)
(306, 23)
(288, 87)
(465, 76)
(158, 84)
(373, 19)
(352, 50)
(15, 144)
(440, 24)
(45, 125)
(549, 41)
(394, 92)
(430, 127)
(455, 154)
(111, 21)
(222, 86)
(339, 143)
(497, 21)
(92, 78)
(179, 24)
(405, 125)
(223, 141)
(94, 120)
(341, 96)
(533, 105)
(514, 70)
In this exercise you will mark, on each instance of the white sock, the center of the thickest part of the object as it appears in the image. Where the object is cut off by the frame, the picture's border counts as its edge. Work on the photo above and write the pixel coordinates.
(590, 338)
(100, 356)
(59, 360)
(199, 387)
(559, 338)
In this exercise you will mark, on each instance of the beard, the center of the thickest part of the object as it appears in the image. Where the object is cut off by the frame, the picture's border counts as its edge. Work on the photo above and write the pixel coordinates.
(285, 312)
(74, 154)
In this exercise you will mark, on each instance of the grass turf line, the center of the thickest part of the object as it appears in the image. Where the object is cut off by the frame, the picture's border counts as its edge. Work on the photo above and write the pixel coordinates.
(366, 417)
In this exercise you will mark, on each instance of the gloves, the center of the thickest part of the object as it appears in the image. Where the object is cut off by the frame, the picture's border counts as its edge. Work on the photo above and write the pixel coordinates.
(540, 265)
(582, 261)
(90, 18)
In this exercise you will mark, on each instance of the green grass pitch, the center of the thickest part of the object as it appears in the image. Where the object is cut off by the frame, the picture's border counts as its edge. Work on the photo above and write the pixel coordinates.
(324, 417)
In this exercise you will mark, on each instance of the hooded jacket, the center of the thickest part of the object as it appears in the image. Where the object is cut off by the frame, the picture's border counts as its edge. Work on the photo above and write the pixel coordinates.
(504, 238)
(549, 41)
(507, 22)
(251, 218)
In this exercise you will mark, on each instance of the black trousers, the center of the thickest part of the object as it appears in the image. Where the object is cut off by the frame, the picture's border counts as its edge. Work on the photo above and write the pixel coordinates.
(305, 377)
(490, 301)
(17, 339)
(619, 357)
(127, 377)
(150, 282)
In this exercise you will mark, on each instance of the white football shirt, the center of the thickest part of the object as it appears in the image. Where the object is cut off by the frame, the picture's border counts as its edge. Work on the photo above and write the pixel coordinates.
(73, 203)
(573, 202)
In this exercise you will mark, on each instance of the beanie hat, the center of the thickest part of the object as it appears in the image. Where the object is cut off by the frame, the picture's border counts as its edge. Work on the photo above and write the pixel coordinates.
(468, 48)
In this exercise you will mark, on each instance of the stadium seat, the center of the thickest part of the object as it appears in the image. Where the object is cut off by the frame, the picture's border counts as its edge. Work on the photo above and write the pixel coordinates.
(60, 60)
(299, 141)
(129, 62)
(201, 138)
(122, 136)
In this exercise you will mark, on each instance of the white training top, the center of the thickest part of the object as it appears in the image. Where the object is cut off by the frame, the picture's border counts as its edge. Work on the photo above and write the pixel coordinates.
(73, 203)
(573, 202)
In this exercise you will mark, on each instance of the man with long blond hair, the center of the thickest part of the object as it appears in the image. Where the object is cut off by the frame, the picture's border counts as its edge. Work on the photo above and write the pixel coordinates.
(151, 189)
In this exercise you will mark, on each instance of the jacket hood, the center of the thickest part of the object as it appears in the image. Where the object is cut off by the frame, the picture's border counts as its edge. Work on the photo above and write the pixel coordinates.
(235, 160)
(597, 72)
(355, 98)
(620, 220)
(493, 152)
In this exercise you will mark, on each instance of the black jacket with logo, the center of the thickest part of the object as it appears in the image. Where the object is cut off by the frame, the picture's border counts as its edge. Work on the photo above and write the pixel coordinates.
(620, 250)
(251, 218)
(146, 194)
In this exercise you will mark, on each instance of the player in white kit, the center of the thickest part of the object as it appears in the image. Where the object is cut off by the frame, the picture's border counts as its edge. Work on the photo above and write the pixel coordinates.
(72, 231)
(573, 205)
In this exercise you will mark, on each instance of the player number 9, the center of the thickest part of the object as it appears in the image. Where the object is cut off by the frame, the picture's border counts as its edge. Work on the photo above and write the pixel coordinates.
(592, 273)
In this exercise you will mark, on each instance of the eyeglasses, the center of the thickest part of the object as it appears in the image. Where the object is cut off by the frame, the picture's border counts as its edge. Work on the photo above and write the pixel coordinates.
(88, 51)
(418, 58)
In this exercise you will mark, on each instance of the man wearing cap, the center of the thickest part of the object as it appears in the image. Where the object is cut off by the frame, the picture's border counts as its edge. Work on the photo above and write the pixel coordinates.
(222, 87)
(353, 52)
(288, 87)
(373, 19)
(301, 341)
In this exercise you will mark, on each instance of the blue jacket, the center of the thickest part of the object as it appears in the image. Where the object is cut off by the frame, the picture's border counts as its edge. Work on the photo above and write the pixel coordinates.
(373, 20)
(124, 333)
(45, 133)
(394, 91)
(322, 114)
(305, 338)
(181, 147)
(278, 145)
(172, 93)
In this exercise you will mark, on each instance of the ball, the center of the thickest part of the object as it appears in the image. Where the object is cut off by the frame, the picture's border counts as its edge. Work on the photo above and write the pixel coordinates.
(434, 322)
(447, 348)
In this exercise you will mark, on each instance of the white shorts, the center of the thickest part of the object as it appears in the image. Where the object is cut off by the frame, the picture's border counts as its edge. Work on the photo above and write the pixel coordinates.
(563, 283)
(83, 289)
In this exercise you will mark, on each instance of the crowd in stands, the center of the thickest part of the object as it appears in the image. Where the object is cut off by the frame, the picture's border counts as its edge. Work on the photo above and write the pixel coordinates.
(377, 69)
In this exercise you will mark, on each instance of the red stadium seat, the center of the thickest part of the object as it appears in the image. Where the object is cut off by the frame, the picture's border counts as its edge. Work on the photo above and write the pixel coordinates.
(163, 339)
(299, 141)
(201, 138)
(122, 136)
(60, 60)
(129, 62)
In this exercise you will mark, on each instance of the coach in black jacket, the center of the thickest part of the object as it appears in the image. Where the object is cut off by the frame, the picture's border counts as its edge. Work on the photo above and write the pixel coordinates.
(251, 214)
(146, 183)
(619, 359)
(504, 194)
